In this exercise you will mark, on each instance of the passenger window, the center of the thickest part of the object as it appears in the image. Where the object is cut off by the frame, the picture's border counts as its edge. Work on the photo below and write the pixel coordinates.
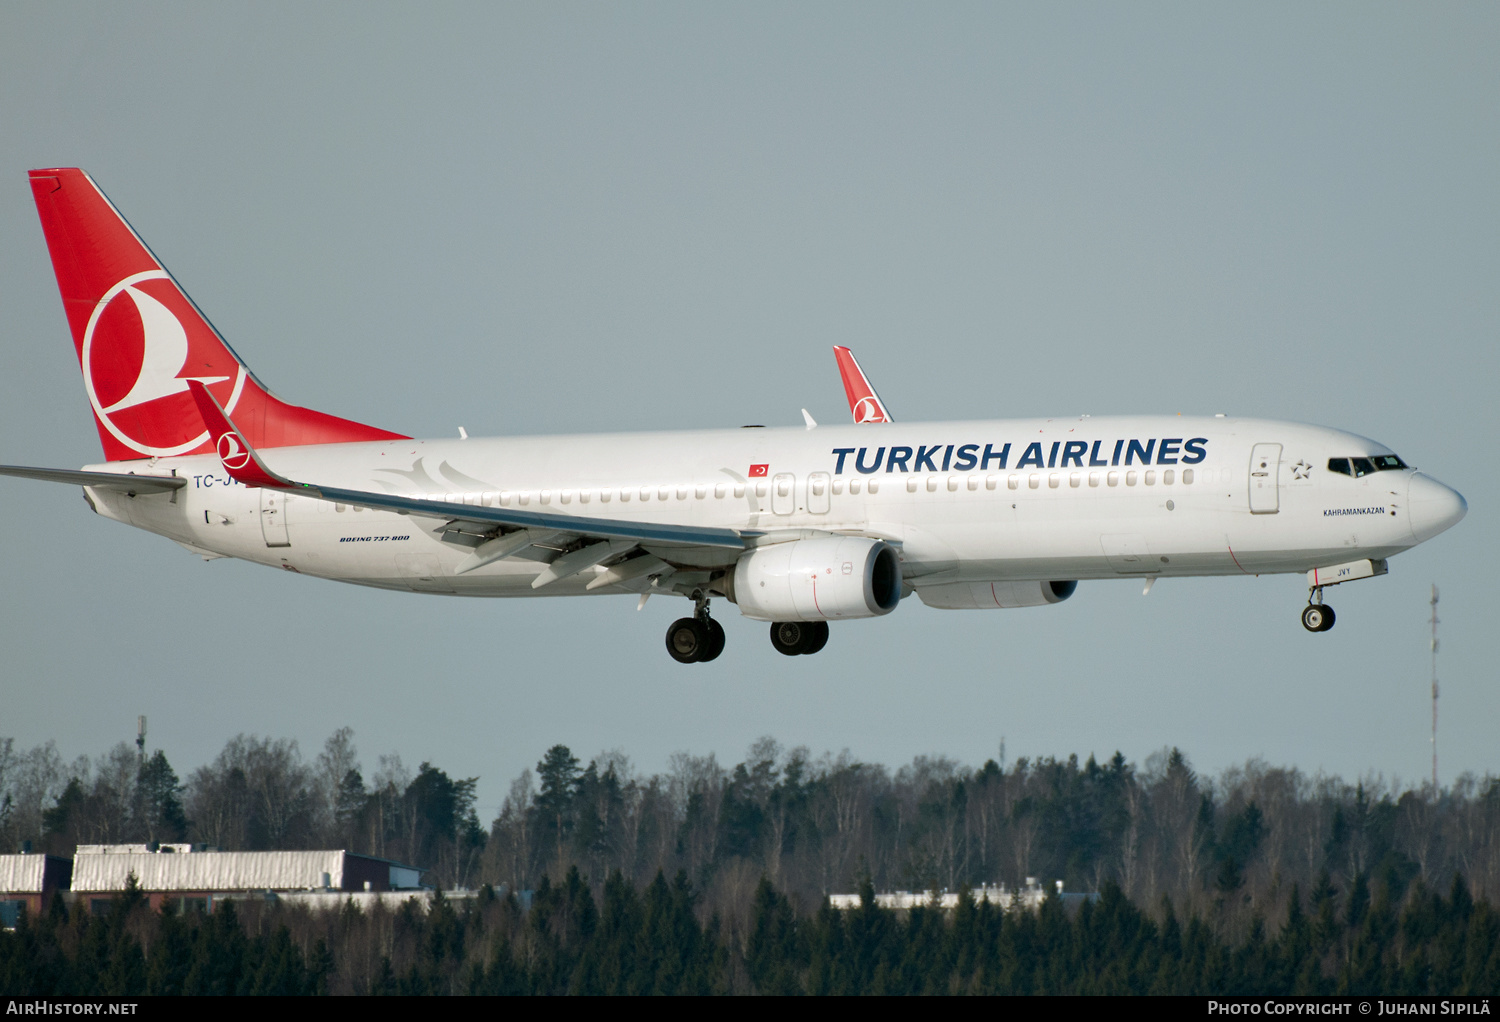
(1339, 465)
(1129, 478)
(1033, 480)
(911, 484)
(1150, 477)
(1187, 477)
(1075, 479)
(1093, 478)
(874, 485)
(1114, 479)
(1166, 477)
(604, 496)
(719, 491)
(1053, 480)
(853, 487)
(1014, 482)
(838, 486)
(739, 489)
(1362, 466)
(973, 482)
(700, 492)
(990, 482)
(953, 484)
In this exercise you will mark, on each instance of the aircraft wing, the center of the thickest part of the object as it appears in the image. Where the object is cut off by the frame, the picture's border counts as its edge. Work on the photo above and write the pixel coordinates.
(130, 483)
(864, 404)
(613, 538)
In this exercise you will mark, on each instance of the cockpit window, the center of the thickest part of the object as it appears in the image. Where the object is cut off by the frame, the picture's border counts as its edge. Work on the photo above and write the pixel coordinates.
(1364, 466)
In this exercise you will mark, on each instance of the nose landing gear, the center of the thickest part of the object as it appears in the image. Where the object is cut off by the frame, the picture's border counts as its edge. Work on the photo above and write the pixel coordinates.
(794, 638)
(1317, 617)
(697, 639)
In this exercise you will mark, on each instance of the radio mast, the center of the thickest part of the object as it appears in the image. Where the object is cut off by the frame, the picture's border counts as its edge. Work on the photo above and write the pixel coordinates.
(140, 740)
(1434, 602)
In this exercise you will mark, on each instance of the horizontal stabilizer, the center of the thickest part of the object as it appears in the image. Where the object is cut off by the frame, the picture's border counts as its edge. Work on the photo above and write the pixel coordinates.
(127, 483)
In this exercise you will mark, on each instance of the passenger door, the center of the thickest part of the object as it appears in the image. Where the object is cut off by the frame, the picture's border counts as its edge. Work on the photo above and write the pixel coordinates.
(273, 517)
(1265, 467)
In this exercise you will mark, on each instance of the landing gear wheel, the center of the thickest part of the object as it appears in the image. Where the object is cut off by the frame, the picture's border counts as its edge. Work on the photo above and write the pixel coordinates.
(1317, 617)
(794, 638)
(688, 640)
(789, 637)
(715, 641)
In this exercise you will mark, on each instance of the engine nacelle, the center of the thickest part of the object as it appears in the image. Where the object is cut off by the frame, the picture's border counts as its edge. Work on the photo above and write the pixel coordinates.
(995, 595)
(816, 580)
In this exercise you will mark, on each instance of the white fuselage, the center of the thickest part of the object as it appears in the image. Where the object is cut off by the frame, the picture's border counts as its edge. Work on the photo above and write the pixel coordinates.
(1070, 499)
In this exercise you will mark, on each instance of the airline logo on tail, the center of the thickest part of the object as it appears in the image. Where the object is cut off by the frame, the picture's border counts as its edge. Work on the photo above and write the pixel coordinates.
(135, 348)
(139, 339)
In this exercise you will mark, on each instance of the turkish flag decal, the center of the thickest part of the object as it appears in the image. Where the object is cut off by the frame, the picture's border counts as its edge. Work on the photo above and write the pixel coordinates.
(759, 471)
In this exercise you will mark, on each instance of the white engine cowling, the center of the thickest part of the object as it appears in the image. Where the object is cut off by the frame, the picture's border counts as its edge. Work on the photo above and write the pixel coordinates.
(993, 595)
(816, 580)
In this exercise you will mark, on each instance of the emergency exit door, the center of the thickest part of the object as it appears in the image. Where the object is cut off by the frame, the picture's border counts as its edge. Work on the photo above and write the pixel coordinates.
(1265, 467)
(784, 493)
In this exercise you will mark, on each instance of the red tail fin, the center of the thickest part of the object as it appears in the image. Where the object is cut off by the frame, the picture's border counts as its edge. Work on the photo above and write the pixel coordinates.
(140, 338)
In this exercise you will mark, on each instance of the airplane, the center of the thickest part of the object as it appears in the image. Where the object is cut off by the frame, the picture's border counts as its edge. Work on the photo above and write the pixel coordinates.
(797, 527)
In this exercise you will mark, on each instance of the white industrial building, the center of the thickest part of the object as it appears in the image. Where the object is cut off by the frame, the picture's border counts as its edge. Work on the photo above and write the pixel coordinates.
(1029, 898)
(191, 880)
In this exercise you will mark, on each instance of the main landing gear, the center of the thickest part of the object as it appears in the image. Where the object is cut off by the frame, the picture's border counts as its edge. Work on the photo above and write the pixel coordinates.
(697, 639)
(794, 638)
(1317, 617)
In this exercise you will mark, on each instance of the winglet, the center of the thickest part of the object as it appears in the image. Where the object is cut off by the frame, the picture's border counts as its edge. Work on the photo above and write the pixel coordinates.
(864, 403)
(235, 453)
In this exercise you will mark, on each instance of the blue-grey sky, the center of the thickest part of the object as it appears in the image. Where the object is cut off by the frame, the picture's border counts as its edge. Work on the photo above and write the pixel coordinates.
(554, 217)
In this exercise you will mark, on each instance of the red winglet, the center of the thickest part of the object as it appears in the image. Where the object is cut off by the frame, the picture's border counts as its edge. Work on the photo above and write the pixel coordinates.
(864, 404)
(236, 454)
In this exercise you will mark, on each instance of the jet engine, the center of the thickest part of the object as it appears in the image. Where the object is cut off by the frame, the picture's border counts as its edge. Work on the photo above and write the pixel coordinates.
(993, 595)
(824, 579)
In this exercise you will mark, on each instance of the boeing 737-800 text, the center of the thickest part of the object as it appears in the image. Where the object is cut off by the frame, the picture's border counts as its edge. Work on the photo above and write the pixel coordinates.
(796, 527)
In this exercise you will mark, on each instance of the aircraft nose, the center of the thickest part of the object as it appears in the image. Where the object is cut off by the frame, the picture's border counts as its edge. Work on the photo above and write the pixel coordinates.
(1432, 507)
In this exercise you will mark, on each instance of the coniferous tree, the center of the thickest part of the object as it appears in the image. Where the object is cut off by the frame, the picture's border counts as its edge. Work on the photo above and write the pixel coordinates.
(159, 798)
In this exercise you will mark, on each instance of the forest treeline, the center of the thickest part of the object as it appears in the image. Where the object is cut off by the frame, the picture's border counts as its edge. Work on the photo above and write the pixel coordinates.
(1231, 846)
(621, 940)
